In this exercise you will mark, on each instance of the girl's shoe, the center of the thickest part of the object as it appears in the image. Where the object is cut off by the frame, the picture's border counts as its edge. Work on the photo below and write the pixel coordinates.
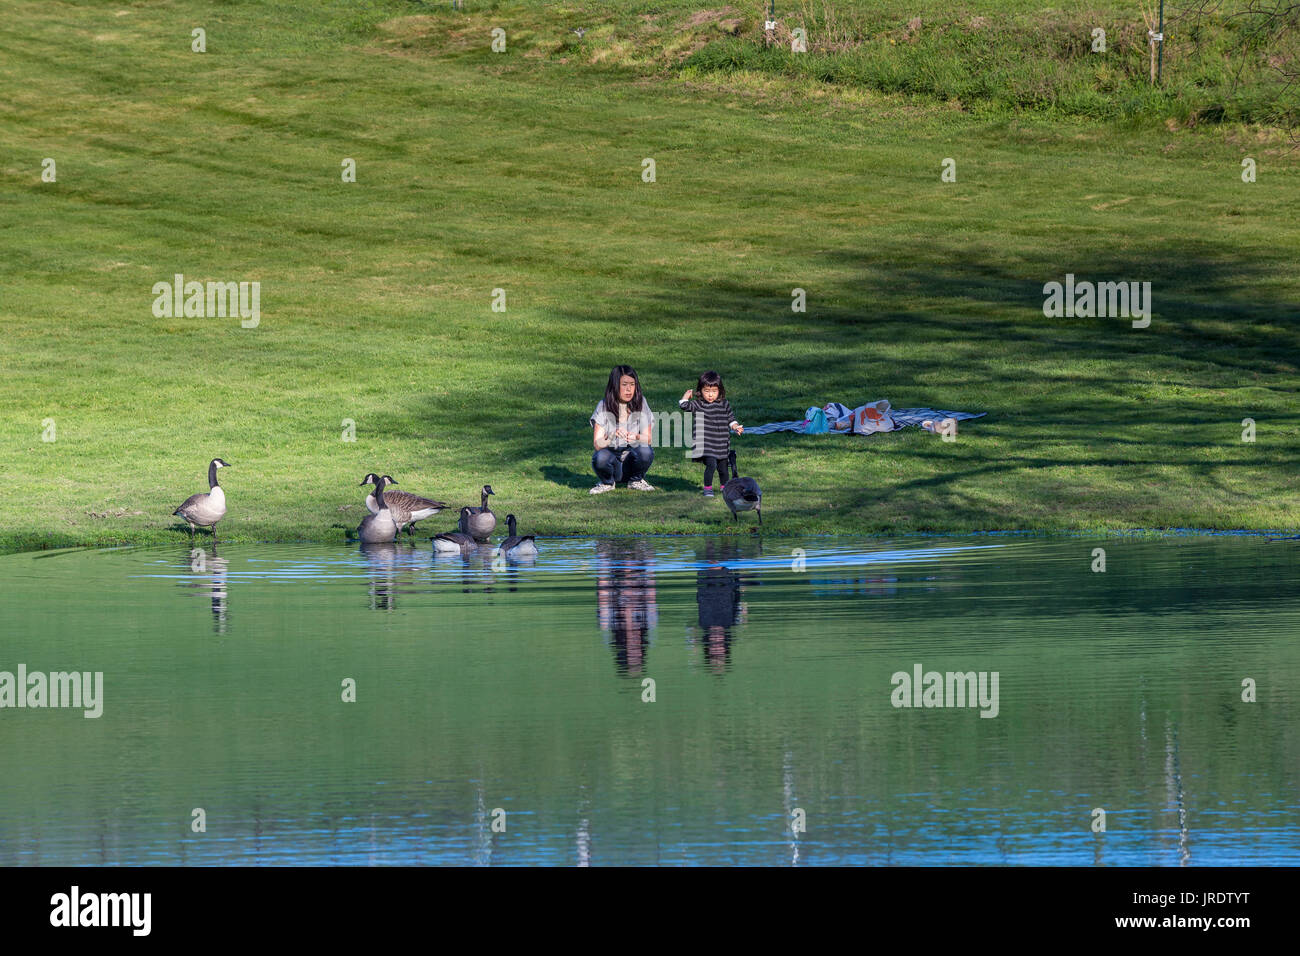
(708, 492)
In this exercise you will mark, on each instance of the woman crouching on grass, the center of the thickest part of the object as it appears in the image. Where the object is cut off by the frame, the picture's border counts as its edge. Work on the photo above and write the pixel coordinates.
(622, 427)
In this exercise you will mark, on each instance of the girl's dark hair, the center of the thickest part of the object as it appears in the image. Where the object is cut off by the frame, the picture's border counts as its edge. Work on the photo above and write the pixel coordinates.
(714, 380)
(611, 390)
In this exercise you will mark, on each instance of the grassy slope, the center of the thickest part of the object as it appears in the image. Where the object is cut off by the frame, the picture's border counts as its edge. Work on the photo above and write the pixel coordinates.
(479, 171)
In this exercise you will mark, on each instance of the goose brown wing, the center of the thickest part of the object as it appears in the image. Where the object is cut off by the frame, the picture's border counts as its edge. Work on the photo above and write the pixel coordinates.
(409, 502)
(190, 502)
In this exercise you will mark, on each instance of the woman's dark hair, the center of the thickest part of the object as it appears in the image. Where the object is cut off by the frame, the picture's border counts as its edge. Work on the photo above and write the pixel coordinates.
(611, 390)
(713, 380)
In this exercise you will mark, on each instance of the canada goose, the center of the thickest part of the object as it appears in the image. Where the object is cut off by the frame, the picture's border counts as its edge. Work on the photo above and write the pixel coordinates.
(206, 509)
(407, 508)
(482, 521)
(380, 527)
(742, 494)
(454, 542)
(515, 546)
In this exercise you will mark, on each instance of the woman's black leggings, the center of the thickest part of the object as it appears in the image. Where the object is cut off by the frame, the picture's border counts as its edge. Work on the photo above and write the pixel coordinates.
(719, 463)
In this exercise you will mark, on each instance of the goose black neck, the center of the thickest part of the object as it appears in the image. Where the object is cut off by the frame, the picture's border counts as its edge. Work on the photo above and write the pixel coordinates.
(212, 475)
(485, 497)
(379, 494)
(511, 525)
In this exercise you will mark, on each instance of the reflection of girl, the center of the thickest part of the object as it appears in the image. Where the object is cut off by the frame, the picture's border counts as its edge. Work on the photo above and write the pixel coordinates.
(622, 429)
(717, 593)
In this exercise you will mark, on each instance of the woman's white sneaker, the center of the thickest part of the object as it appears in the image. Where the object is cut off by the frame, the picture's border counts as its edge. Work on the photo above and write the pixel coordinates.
(601, 488)
(641, 485)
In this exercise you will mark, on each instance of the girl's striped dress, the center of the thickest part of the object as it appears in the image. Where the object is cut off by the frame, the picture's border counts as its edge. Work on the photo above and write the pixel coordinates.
(713, 421)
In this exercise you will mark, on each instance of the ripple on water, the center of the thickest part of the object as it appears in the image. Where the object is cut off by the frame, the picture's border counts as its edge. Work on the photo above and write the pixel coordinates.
(522, 688)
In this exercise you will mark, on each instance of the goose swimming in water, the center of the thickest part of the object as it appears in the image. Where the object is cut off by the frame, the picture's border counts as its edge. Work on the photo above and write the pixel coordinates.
(204, 510)
(380, 527)
(515, 546)
(455, 542)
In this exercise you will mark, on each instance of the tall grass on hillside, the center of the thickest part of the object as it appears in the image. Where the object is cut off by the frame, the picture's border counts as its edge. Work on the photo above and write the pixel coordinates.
(1218, 66)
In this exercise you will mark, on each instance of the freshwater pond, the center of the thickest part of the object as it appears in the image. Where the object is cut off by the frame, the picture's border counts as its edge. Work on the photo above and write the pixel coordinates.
(665, 700)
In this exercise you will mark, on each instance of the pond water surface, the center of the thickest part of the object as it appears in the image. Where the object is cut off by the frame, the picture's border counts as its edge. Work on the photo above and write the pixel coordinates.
(659, 700)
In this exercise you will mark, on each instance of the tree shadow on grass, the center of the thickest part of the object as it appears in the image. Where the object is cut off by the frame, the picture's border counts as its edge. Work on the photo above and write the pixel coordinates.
(939, 324)
(577, 480)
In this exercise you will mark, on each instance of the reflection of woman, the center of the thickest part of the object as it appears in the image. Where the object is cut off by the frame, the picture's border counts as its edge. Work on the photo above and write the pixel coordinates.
(626, 607)
(622, 429)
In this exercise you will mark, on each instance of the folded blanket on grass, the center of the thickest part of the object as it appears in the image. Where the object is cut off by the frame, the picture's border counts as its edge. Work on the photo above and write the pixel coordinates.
(864, 420)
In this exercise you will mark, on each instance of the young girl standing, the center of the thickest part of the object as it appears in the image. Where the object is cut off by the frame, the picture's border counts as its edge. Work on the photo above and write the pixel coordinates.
(714, 423)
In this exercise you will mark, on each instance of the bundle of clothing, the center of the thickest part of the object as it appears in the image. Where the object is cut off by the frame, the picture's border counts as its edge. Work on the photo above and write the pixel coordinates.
(835, 418)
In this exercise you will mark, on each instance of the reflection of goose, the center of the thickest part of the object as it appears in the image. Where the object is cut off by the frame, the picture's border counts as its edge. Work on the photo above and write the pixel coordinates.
(407, 508)
(482, 522)
(742, 494)
(205, 509)
(210, 581)
(515, 546)
(380, 527)
(455, 542)
(382, 557)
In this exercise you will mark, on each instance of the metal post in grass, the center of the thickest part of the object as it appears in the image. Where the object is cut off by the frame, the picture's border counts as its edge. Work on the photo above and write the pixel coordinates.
(1160, 39)
(1155, 35)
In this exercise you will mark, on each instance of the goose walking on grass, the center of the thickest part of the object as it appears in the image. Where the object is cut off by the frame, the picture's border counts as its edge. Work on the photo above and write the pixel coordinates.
(742, 494)
(407, 508)
(455, 542)
(378, 528)
(204, 510)
(516, 546)
(482, 522)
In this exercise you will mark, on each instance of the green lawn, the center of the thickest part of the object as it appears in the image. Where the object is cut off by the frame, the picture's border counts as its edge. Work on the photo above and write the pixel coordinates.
(478, 171)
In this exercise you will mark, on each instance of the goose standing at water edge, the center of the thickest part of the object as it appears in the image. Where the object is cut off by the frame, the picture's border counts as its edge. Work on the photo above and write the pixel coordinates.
(482, 522)
(407, 508)
(454, 542)
(742, 494)
(515, 546)
(206, 509)
(379, 527)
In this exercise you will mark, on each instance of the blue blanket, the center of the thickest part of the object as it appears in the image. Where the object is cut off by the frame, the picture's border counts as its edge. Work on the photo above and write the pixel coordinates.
(903, 417)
